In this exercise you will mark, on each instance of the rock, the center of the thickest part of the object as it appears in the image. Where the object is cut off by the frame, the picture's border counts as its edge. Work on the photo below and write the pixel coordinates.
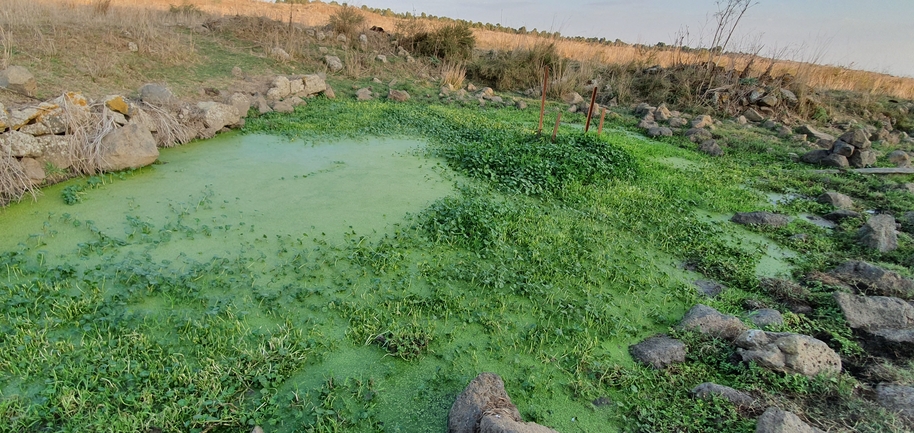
(19, 80)
(363, 94)
(857, 138)
(815, 156)
(662, 114)
(342, 38)
(261, 103)
(296, 87)
(834, 160)
(156, 94)
(363, 39)
(329, 93)
(498, 422)
(707, 320)
(753, 116)
(775, 420)
(37, 129)
(410, 59)
(281, 88)
(789, 97)
(117, 104)
(280, 54)
(483, 394)
(896, 398)
(698, 135)
(472, 88)
(320, 35)
(710, 147)
(520, 105)
(131, 146)
(841, 148)
(709, 390)
(659, 351)
(891, 343)
(837, 200)
(284, 106)
(398, 95)
(761, 218)
(900, 158)
(572, 98)
(788, 353)
(33, 170)
(132, 47)
(659, 131)
(875, 312)
(381, 58)
(862, 158)
(237, 73)
(19, 144)
(641, 109)
(19, 118)
(702, 121)
(766, 317)
(879, 233)
(874, 280)
(710, 288)
(812, 132)
(55, 151)
(677, 122)
(333, 63)
(646, 123)
(841, 215)
(768, 100)
(295, 101)
(241, 103)
(217, 116)
(257, 429)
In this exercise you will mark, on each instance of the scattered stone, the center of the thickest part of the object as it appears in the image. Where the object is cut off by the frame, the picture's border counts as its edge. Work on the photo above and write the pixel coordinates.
(262, 106)
(788, 353)
(217, 116)
(363, 39)
(381, 58)
(710, 288)
(875, 312)
(789, 97)
(132, 47)
(641, 109)
(753, 116)
(117, 104)
(775, 420)
(283, 106)
(312, 85)
(131, 146)
(698, 135)
(857, 138)
(483, 394)
(841, 148)
(571, 98)
(702, 121)
(333, 63)
(662, 114)
(815, 156)
(862, 158)
(836, 199)
(710, 321)
(33, 170)
(677, 122)
(647, 122)
(900, 158)
(812, 132)
(472, 88)
(329, 93)
(766, 317)
(768, 100)
(241, 102)
(295, 101)
(237, 73)
(520, 105)
(659, 351)
(879, 233)
(834, 160)
(19, 80)
(398, 95)
(708, 391)
(896, 398)
(320, 35)
(659, 131)
(156, 94)
(874, 280)
(280, 54)
(363, 94)
(711, 147)
(761, 218)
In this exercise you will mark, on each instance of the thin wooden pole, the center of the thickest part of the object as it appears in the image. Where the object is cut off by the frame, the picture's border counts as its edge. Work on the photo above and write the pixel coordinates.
(539, 131)
(555, 131)
(602, 118)
(593, 99)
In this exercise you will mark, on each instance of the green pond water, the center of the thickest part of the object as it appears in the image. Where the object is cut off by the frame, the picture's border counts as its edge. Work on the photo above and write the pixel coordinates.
(245, 258)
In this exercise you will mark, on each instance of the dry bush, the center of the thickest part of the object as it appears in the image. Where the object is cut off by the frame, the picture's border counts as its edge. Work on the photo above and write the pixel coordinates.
(14, 184)
(453, 74)
(347, 20)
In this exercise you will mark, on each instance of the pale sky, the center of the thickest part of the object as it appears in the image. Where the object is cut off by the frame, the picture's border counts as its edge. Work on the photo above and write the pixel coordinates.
(875, 35)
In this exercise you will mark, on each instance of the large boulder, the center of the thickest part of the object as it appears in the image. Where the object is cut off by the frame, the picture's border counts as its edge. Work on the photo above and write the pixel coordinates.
(857, 138)
(710, 390)
(862, 158)
(836, 161)
(788, 353)
(710, 147)
(573, 98)
(775, 420)
(753, 115)
(19, 144)
(313, 84)
(484, 393)
(217, 116)
(843, 149)
(19, 79)
(766, 317)
(55, 150)
(836, 199)
(875, 312)
(874, 280)
(156, 94)
(698, 135)
(815, 156)
(241, 102)
(707, 320)
(33, 170)
(896, 398)
(879, 233)
(131, 146)
(659, 351)
(761, 219)
(497, 422)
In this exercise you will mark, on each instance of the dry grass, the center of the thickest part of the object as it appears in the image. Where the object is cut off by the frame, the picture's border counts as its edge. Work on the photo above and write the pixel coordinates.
(14, 184)
(453, 75)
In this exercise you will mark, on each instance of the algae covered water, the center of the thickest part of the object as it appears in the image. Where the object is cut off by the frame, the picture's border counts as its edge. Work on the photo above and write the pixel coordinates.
(340, 285)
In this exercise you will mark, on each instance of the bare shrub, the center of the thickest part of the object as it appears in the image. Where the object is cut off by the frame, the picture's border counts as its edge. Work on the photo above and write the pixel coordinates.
(346, 20)
(14, 184)
(453, 42)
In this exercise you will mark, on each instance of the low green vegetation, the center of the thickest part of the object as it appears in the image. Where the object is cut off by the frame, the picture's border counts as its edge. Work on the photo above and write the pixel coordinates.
(548, 261)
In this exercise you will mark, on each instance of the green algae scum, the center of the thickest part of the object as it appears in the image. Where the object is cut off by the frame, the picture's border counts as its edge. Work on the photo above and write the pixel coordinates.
(350, 267)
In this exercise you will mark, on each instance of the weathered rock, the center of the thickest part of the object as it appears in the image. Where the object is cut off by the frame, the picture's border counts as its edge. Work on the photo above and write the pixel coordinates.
(892, 343)
(662, 113)
(753, 115)
(841, 148)
(766, 317)
(710, 288)
(789, 97)
(19, 79)
(156, 94)
(398, 95)
(55, 151)
(659, 131)
(33, 170)
(841, 215)
(874, 280)
(709, 390)
(900, 158)
(19, 144)
(520, 104)
(284, 106)
(312, 85)
(647, 122)
(296, 87)
(768, 100)
(896, 398)
(862, 158)
(711, 147)
(573, 98)
(217, 116)
(131, 146)
(834, 160)
(483, 394)
(812, 132)
(857, 138)
(498, 422)
(342, 38)
(702, 121)
(262, 106)
(280, 89)
(333, 63)
(698, 135)
(788, 353)
(241, 102)
(761, 218)
(329, 93)
(836, 199)
(381, 58)
(295, 101)
(641, 109)
(775, 420)
(280, 54)
(815, 156)
(363, 94)
(875, 312)
(237, 73)
(879, 233)
(659, 351)
(677, 122)
(709, 321)
(117, 104)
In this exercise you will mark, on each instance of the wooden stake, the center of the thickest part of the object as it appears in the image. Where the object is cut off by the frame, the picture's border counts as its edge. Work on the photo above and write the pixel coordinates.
(602, 118)
(539, 131)
(555, 131)
(593, 98)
